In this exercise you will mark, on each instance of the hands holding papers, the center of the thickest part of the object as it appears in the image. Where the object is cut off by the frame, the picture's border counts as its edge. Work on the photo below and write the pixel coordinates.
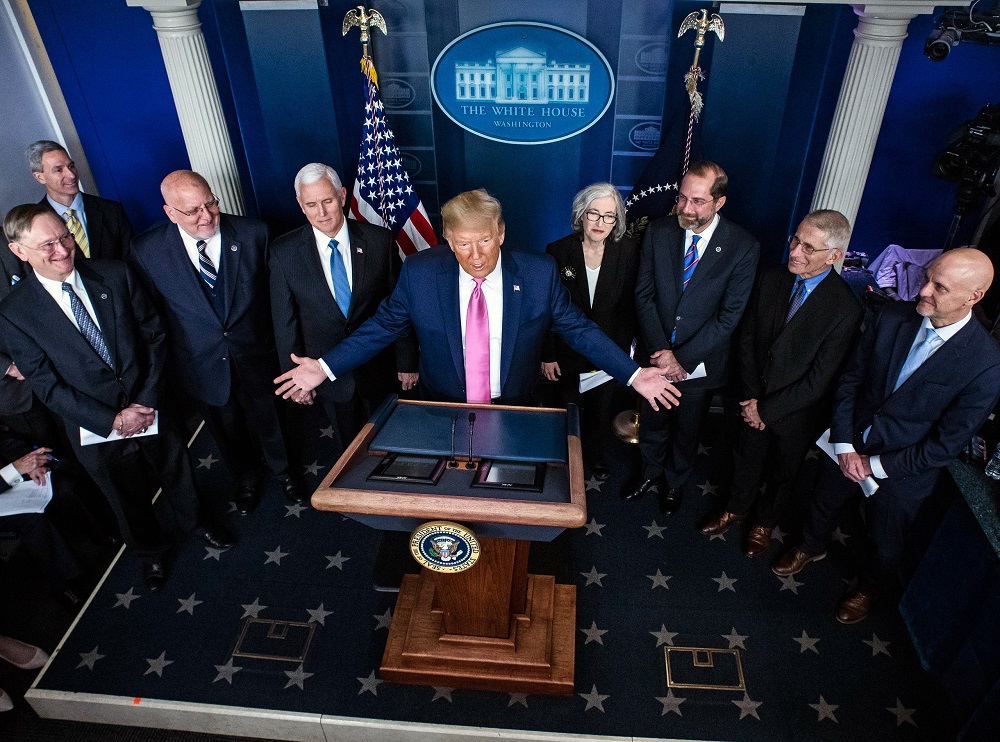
(853, 465)
(135, 421)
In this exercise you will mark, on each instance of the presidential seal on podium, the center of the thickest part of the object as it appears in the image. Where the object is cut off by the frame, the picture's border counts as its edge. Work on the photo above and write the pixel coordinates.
(443, 546)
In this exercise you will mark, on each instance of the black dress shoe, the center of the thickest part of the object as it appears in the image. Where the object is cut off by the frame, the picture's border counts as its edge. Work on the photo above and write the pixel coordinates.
(670, 500)
(644, 486)
(217, 536)
(293, 490)
(155, 575)
(246, 498)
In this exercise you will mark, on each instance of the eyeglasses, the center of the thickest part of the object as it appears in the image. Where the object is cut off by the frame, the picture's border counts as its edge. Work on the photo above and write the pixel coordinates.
(47, 248)
(808, 249)
(595, 216)
(211, 207)
(696, 202)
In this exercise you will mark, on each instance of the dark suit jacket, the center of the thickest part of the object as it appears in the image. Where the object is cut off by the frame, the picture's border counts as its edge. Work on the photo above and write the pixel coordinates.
(15, 396)
(707, 313)
(614, 298)
(108, 229)
(426, 300)
(64, 371)
(307, 320)
(790, 369)
(201, 345)
(923, 425)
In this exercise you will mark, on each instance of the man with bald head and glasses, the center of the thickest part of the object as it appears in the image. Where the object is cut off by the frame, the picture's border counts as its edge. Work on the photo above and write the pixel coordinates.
(206, 272)
(799, 327)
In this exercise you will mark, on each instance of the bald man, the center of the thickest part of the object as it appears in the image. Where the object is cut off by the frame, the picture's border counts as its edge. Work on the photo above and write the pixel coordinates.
(919, 385)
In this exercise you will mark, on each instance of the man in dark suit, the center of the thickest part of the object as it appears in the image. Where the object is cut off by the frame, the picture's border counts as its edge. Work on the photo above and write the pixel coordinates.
(90, 344)
(919, 385)
(20, 412)
(695, 278)
(100, 226)
(327, 278)
(794, 339)
(480, 318)
(206, 272)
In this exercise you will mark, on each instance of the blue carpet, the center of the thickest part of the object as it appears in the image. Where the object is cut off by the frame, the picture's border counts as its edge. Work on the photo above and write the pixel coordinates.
(645, 584)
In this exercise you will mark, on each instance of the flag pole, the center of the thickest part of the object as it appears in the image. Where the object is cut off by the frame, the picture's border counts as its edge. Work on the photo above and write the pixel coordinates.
(701, 24)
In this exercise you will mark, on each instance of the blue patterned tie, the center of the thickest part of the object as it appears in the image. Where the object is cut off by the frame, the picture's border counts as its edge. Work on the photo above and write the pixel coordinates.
(88, 328)
(798, 298)
(918, 354)
(690, 260)
(205, 265)
(341, 286)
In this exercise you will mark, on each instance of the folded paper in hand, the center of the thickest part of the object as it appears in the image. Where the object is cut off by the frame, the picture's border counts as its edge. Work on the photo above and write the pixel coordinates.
(87, 438)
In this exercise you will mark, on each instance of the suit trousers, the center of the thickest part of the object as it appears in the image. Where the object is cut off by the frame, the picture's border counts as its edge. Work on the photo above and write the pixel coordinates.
(668, 439)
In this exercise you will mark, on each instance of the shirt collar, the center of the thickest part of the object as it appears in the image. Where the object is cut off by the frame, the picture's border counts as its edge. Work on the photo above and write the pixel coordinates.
(948, 331)
(813, 282)
(342, 237)
(705, 236)
(73, 279)
(77, 205)
(192, 242)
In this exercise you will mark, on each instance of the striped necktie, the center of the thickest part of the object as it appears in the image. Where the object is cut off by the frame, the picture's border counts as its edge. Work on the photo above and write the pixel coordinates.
(206, 267)
(690, 260)
(88, 328)
(797, 300)
(76, 229)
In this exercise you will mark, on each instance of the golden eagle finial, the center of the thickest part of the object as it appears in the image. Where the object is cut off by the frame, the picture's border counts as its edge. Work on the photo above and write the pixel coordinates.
(364, 19)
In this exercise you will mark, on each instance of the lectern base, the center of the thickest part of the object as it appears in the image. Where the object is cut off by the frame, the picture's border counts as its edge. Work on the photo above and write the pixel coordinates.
(537, 658)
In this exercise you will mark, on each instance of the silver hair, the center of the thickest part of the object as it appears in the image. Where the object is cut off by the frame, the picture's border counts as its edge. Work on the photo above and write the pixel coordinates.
(36, 149)
(832, 223)
(313, 172)
(582, 201)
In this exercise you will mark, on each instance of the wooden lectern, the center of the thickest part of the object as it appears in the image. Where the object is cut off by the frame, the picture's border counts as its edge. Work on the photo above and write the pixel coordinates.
(493, 626)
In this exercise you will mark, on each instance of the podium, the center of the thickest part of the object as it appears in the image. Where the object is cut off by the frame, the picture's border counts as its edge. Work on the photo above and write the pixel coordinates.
(492, 626)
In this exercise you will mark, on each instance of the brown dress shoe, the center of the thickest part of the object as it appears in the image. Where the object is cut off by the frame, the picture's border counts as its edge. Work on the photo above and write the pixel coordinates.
(758, 541)
(855, 607)
(713, 526)
(793, 562)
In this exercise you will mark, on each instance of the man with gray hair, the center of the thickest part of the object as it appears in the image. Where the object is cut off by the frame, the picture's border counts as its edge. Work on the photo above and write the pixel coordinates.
(327, 278)
(797, 331)
(100, 226)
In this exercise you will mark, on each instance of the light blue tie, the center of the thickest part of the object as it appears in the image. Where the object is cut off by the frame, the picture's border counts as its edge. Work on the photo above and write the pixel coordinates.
(918, 354)
(341, 286)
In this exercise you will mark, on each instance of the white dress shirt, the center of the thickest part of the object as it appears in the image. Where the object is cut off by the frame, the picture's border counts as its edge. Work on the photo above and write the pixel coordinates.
(62, 298)
(704, 237)
(343, 238)
(493, 292)
(213, 249)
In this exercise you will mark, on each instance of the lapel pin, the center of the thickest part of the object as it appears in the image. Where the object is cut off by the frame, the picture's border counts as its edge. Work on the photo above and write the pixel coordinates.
(517, 287)
(14, 280)
(104, 296)
(718, 248)
(360, 251)
(233, 248)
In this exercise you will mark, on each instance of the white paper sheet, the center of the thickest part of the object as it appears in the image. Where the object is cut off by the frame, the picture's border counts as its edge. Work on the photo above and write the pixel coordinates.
(869, 486)
(593, 380)
(26, 497)
(87, 438)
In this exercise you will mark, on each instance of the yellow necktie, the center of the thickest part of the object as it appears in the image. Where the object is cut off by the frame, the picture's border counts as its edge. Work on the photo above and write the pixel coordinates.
(78, 233)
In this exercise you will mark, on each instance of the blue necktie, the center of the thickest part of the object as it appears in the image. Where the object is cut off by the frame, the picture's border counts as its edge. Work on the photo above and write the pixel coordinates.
(341, 286)
(88, 328)
(918, 354)
(797, 300)
(209, 272)
(690, 260)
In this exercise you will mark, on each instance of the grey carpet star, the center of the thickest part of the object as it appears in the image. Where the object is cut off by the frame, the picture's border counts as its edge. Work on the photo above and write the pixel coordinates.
(319, 614)
(521, 698)
(825, 710)
(878, 646)
(707, 489)
(671, 703)
(276, 556)
(593, 484)
(903, 715)
(295, 509)
(806, 643)
(297, 677)
(385, 620)
(725, 582)
(226, 671)
(594, 527)
(594, 699)
(212, 553)
(232, 507)
(314, 468)
(659, 580)
(337, 560)
(714, 536)
(158, 664)
(442, 692)
(252, 610)
(206, 463)
(663, 636)
(125, 599)
(326, 432)
(790, 583)
(840, 537)
(812, 453)
(735, 640)
(370, 684)
(594, 634)
(188, 604)
(655, 530)
(703, 450)
(594, 577)
(748, 707)
(778, 535)
(90, 658)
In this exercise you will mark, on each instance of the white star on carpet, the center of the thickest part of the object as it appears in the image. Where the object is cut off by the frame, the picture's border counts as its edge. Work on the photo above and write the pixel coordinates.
(878, 646)
(663, 636)
(370, 684)
(812, 453)
(778, 535)
(326, 432)
(313, 468)
(188, 604)
(337, 560)
(790, 583)
(593, 484)
(717, 535)
(594, 634)
(735, 640)
(252, 610)
(384, 620)
(903, 714)
(707, 489)
(659, 580)
(725, 582)
(206, 463)
(89, 658)
(671, 703)
(521, 698)
(840, 537)
(703, 450)
(806, 642)
(319, 614)
(276, 556)
(594, 527)
(226, 671)
(295, 509)
(594, 699)
(441, 691)
(748, 707)
(212, 553)
(594, 577)
(232, 507)
(297, 677)
(158, 664)
(125, 599)
(825, 710)
(655, 530)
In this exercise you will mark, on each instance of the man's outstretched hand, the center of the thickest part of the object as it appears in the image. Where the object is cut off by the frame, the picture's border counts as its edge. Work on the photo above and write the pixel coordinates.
(657, 390)
(306, 376)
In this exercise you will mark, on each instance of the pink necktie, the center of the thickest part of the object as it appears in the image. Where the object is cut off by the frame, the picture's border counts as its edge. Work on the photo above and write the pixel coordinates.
(477, 348)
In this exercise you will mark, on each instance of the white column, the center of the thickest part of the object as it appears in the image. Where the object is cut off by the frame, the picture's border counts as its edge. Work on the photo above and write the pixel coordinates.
(861, 106)
(196, 96)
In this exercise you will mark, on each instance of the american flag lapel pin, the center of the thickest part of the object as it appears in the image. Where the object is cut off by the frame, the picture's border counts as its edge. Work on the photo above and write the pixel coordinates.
(233, 248)
(360, 251)
(517, 287)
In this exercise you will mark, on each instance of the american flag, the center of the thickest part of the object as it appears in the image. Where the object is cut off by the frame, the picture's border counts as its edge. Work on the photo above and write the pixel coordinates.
(382, 191)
